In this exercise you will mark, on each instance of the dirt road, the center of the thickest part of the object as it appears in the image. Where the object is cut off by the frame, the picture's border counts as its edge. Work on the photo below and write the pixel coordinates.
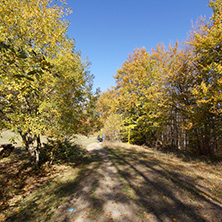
(139, 185)
(99, 196)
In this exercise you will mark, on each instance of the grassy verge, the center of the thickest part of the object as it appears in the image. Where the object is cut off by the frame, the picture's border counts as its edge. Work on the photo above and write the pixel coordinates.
(166, 187)
(33, 195)
(9, 137)
(84, 140)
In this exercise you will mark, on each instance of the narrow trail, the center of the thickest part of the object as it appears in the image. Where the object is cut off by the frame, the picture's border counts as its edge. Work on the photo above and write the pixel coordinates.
(99, 196)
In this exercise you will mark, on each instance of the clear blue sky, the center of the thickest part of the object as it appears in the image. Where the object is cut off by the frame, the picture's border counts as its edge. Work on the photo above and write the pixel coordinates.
(106, 31)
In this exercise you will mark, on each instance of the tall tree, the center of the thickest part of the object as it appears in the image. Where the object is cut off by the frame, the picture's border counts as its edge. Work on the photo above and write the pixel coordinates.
(207, 53)
(44, 82)
(134, 97)
(173, 96)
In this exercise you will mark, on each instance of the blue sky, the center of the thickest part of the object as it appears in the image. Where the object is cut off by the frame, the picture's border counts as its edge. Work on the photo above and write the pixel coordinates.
(106, 31)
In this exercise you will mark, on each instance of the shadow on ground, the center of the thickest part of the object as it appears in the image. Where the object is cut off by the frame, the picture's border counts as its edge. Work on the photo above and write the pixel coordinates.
(34, 196)
(98, 197)
(136, 185)
(164, 189)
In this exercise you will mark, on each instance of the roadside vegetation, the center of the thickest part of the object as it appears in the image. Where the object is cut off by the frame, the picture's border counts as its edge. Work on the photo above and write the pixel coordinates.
(33, 194)
(46, 87)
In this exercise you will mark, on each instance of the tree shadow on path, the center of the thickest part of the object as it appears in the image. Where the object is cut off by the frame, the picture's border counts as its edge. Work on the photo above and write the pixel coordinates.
(163, 194)
(98, 196)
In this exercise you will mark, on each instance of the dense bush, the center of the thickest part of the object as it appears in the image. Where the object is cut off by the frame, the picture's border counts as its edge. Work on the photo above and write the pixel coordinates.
(56, 151)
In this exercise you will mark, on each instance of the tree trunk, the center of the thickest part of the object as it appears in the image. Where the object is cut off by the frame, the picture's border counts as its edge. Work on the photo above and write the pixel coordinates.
(38, 147)
(34, 151)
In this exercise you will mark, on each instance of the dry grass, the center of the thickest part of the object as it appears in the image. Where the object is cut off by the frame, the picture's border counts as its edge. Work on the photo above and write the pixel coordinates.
(34, 196)
(84, 140)
(7, 136)
(168, 186)
(27, 194)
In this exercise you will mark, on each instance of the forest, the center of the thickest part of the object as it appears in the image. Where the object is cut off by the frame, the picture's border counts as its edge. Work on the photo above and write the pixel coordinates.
(167, 98)
(171, 96)
(161, 122)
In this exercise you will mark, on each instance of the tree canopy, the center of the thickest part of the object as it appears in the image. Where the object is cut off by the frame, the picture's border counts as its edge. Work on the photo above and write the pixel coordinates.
(44, 82)
(172, 96)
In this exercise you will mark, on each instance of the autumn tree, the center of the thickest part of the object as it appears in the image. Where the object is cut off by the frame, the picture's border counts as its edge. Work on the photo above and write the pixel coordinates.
(134, 98)
(112, 127)
(172, 96)
(44, 81)
(206, 47)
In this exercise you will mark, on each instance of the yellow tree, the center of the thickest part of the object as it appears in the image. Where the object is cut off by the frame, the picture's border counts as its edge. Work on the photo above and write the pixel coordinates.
(207, 53)
(175, 66)
(44, 82)
(135, 98)
(112, 127)
(173, 94)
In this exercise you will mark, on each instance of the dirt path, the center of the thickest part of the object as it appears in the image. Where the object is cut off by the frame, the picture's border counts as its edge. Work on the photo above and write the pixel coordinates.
(141, 185)
(99, 196)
